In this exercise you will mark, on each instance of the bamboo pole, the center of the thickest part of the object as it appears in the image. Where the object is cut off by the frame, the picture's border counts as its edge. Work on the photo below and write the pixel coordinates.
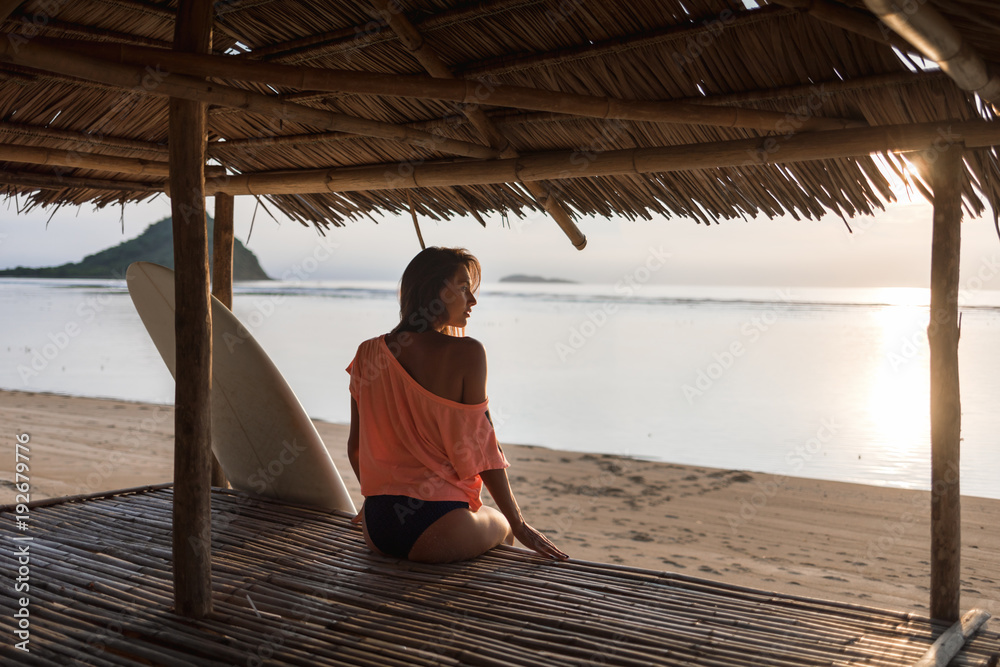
(558, 165)
(7, 8)
(68, 28)
(51, 182)
(192, 513)
(461, 91)
(946, 410)
(950, 643)
(357, 36)
(930, 33)
(857, 21)
(222, 282)
(432, 63)
(103, 141)
(82, 160)
(518, 117)
(39, 55)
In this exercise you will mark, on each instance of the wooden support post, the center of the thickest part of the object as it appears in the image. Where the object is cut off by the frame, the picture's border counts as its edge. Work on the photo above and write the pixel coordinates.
(192, 516)
(222, 250)
(946, 412)
(222, 282)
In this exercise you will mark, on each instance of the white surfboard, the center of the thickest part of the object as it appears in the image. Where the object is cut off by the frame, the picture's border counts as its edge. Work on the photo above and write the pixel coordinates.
(261, 435)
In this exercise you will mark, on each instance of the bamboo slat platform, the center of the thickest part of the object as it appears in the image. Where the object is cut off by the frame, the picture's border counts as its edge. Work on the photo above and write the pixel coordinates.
(297, 586)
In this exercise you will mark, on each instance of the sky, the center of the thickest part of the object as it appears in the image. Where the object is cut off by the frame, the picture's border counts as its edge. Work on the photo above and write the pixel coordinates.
(891, 249)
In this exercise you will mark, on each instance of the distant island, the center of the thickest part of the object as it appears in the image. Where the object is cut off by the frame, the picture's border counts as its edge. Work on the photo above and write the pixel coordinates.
(156, 244)
(522, 278)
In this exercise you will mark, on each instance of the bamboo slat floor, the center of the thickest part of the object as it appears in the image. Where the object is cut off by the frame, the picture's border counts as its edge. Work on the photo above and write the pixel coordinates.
(297, 586)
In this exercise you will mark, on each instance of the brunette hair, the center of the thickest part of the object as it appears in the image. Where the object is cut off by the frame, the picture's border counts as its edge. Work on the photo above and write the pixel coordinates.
(420, 303)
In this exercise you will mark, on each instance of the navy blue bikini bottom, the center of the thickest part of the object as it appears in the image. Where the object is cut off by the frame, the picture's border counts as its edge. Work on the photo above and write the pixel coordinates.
(395, 523)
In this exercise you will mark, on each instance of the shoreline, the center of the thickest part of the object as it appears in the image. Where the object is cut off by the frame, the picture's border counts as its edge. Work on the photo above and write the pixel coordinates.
(833, 540)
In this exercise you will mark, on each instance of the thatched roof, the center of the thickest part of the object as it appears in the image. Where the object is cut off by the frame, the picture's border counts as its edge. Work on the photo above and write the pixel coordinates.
(718, 54)
(296, 586)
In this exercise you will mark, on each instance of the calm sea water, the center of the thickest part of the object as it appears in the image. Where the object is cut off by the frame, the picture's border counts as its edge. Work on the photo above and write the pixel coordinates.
(829, 384)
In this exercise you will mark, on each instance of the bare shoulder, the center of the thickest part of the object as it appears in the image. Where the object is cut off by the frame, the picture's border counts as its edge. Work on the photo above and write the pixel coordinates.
(470, 343)
(471, 359)
(470, 351)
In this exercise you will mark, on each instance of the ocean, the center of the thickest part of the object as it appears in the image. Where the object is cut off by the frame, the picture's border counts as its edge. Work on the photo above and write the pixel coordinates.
(818, 383)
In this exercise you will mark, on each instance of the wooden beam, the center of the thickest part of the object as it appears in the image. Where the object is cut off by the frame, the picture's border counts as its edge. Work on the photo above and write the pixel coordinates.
(892, 79)
(360, 36)
(68, 28)
(192, 513)
(82, 160)
(946, 408)
(853, 20)
(222, 283)
(36, 54)
(357, 36)
(101, 141)
(7, 8)
(932, 35)
(559, 165)
(516, 117)
(50, 182)
(477, 93)
(694, 31)
(431, 61)
(951, 642)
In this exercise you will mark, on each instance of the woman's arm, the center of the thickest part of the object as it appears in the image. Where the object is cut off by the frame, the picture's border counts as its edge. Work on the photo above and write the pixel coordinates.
(474, 392)
(499, 487)
(352, 440)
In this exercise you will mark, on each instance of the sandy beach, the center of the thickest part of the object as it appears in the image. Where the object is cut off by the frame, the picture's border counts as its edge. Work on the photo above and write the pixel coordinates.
(831, 540)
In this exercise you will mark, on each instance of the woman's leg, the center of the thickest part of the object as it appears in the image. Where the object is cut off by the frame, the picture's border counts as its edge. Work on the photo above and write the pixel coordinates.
(461, 534)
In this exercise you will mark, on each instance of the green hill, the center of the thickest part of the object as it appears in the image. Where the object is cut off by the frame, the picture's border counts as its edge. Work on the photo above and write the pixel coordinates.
(156, 244)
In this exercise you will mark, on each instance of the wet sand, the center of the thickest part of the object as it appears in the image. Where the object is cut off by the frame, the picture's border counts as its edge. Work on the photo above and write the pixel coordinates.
(833, 540)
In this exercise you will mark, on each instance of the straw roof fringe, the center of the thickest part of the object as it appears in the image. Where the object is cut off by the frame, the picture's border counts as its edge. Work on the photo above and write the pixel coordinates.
(779, 60)
(297, 586)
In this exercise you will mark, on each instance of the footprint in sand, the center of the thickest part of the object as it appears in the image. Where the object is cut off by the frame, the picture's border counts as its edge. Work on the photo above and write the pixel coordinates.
(708, 568)
(835, 578)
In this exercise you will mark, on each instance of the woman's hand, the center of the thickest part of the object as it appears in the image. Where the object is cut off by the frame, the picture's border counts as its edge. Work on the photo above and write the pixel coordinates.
(359, 518)
(537, 542)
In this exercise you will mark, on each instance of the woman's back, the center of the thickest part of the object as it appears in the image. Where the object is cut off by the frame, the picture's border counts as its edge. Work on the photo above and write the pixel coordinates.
(450, 367)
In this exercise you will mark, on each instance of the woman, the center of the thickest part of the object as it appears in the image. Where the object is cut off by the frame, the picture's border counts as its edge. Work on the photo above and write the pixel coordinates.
(422, 443)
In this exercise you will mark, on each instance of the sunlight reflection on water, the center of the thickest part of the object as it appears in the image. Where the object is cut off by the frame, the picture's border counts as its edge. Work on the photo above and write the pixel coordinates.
(704, 376)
